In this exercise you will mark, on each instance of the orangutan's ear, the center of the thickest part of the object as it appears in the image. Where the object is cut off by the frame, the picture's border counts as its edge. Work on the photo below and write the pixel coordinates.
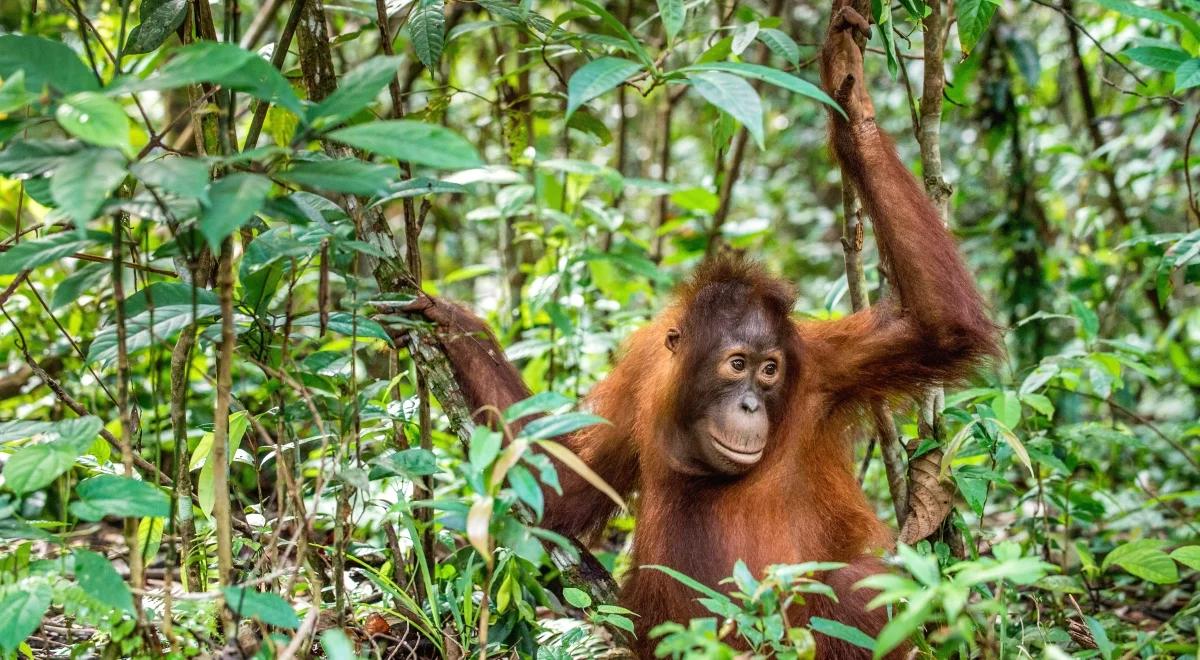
(672, 342)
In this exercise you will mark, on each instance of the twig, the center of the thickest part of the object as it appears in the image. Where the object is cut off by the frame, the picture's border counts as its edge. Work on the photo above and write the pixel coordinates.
(1187, 173)
(277, 58)
(1067, 12)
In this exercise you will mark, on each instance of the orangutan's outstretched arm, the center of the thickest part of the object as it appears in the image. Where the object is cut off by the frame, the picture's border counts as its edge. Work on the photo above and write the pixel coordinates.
(936, 329)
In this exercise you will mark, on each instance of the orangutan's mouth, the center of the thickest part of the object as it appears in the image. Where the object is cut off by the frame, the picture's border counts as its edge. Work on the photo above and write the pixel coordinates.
(741, 455)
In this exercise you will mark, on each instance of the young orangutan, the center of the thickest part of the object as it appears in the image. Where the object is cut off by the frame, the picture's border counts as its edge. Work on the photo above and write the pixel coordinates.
(734, 420)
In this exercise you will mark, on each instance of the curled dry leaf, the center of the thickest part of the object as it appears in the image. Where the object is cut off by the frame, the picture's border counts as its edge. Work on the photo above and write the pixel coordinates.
(929, 498)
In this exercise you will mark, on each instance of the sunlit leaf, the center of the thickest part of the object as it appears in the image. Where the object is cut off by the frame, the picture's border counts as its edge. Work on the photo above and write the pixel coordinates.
(412, 141)
(597, 77)
(427, 29)
(732, 95)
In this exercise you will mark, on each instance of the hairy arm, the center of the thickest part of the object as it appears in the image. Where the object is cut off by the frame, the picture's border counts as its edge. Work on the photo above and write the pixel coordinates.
(491, 383)
(936, 328)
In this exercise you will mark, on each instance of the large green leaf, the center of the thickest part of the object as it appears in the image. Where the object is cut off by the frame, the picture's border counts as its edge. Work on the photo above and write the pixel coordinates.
(13, 94)
(93, 117)
(1146, 559)
(732, 95)
(23, 610)
(345, 323)
(427, 29)
(974, 16)
(1157, 57)
(232, 201)
(597, 77)
(411, 141)
(141, 333)
(347, 175)
(222, 64)
(110, 495)
(781, 44)
(187, 177)
(35, 466)
(46, 63)
(266, 607)
(84, 180)
(159, 19)
(100, 580)
(1187, 75)
(31, 254)
(768, 75)
(1188, 555)
(839, 630)
(34, 157)
(356, 90)
(673, 13)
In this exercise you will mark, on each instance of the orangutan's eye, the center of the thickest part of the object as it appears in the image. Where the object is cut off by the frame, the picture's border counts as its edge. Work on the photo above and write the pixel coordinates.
(738, 364)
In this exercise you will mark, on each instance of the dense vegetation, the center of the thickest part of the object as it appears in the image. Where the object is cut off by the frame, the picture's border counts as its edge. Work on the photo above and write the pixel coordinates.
(219, 435)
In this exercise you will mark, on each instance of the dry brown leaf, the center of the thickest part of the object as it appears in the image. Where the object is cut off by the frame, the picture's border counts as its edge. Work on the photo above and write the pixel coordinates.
(929, 498)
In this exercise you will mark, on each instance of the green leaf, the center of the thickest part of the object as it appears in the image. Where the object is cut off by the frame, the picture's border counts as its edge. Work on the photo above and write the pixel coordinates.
(552, 427)
(527, 489)
(1100, 636)
(733, 95)
(13, 95)
(617, 26)
(93, 117)
(411, 463)
(768, 75)
(427, 30)
(1008, 408)
(140, 332)
(597, 77)
(110, 495)
(781, 44)
(159, 19)
(100, 580)
(31, 254)
(1145, 559)
(577, 597)
(1137, 11)
(232, 201)
(34, 157)
(222, 64)
(839, 630)
(1157, 57)
(542, 402)
(411, 141)
(673, 13)
(1187, 75)
(344, 323)
(484, 447)
(35, 466)
(920, 607)
(974, 16)
(266, 607)
(1188, 555)
(347, 175)
(186, 177)
(689, 581)
(74, 285)
(356, 90)
(84, 180)
(337, 645)
(46, 63)
(23, 611)
(881, 11)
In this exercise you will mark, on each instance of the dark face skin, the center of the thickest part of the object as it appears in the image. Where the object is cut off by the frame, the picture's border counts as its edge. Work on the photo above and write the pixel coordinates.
(734, 392)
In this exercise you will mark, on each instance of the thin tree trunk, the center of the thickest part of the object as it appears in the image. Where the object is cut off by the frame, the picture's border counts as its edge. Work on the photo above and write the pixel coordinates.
(222, 513)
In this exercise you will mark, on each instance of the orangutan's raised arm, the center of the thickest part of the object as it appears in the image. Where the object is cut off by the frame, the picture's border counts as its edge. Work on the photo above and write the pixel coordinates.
(936, 329)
